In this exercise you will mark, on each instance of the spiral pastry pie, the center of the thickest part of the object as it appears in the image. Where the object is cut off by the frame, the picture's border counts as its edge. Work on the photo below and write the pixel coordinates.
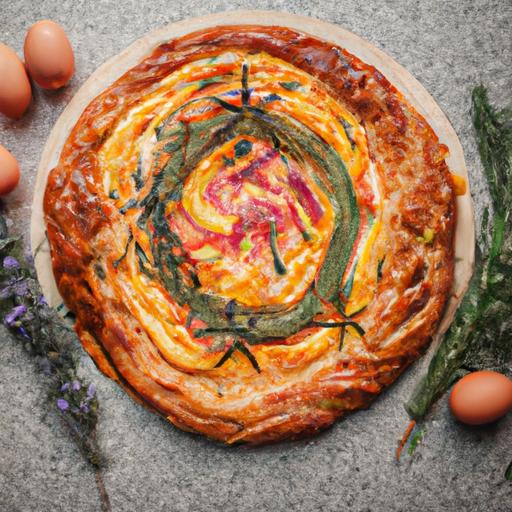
(254, 231)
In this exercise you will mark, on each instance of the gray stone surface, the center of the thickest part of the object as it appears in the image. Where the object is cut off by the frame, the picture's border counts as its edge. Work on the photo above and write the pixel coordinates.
(449, 47)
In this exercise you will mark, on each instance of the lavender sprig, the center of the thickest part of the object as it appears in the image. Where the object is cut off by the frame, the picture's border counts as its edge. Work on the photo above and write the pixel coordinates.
(44, 335)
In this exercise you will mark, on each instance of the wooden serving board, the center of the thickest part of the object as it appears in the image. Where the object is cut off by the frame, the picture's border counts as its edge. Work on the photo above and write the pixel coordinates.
(111, 70)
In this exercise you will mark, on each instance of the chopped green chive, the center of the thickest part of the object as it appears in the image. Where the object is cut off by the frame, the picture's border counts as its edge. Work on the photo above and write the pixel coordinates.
(290, 86)
(245, 244)
(379, 269)
(278, 262)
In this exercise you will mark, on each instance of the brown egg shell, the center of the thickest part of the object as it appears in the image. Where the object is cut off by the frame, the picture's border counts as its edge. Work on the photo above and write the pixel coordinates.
(481, 397)
(9, 172)
(48, 55)
(15, 89)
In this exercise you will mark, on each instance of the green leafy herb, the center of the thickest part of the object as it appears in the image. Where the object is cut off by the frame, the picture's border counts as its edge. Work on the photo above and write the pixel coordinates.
(354, 325)
(427, 236)
(205, 82)
(360, 331)
(306, 236)
(347, 288)
(130, 204)
(240, 346)
(123, 256)
(247, 353)
(137, 176)
(379, 269)
(245, 244)
(269, 98)
(278, 262)
(480, 335)
(415, 441)
(349, 132)
(246, 93)
(144, 264)
(508, 472)
(290, 86)
(100, 272)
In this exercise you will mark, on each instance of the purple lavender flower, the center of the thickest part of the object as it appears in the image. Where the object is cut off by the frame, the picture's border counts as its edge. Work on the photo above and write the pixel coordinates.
(41, 301)
(24, 332)
(14, 314)
(62, 404)
(75, 386)
(64, 387)
(84, 408)
(20, 288)
(15, 286)
(11, 263)
(91, 391)
(6, 292)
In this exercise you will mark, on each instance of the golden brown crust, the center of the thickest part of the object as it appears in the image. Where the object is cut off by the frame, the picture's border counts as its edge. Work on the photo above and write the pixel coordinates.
(417, 274)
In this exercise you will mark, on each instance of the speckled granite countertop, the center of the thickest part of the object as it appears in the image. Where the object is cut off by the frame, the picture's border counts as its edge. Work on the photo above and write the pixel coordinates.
(449, 47)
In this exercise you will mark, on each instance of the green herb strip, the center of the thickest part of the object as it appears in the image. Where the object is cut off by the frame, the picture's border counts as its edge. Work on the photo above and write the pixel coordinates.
(508, 472)
(290, 86)
(278, 262)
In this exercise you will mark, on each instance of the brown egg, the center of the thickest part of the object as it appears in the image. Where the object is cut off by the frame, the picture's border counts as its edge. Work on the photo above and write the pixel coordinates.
(481, 397)
(48, 55)
(9, 172)
(15, 90)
